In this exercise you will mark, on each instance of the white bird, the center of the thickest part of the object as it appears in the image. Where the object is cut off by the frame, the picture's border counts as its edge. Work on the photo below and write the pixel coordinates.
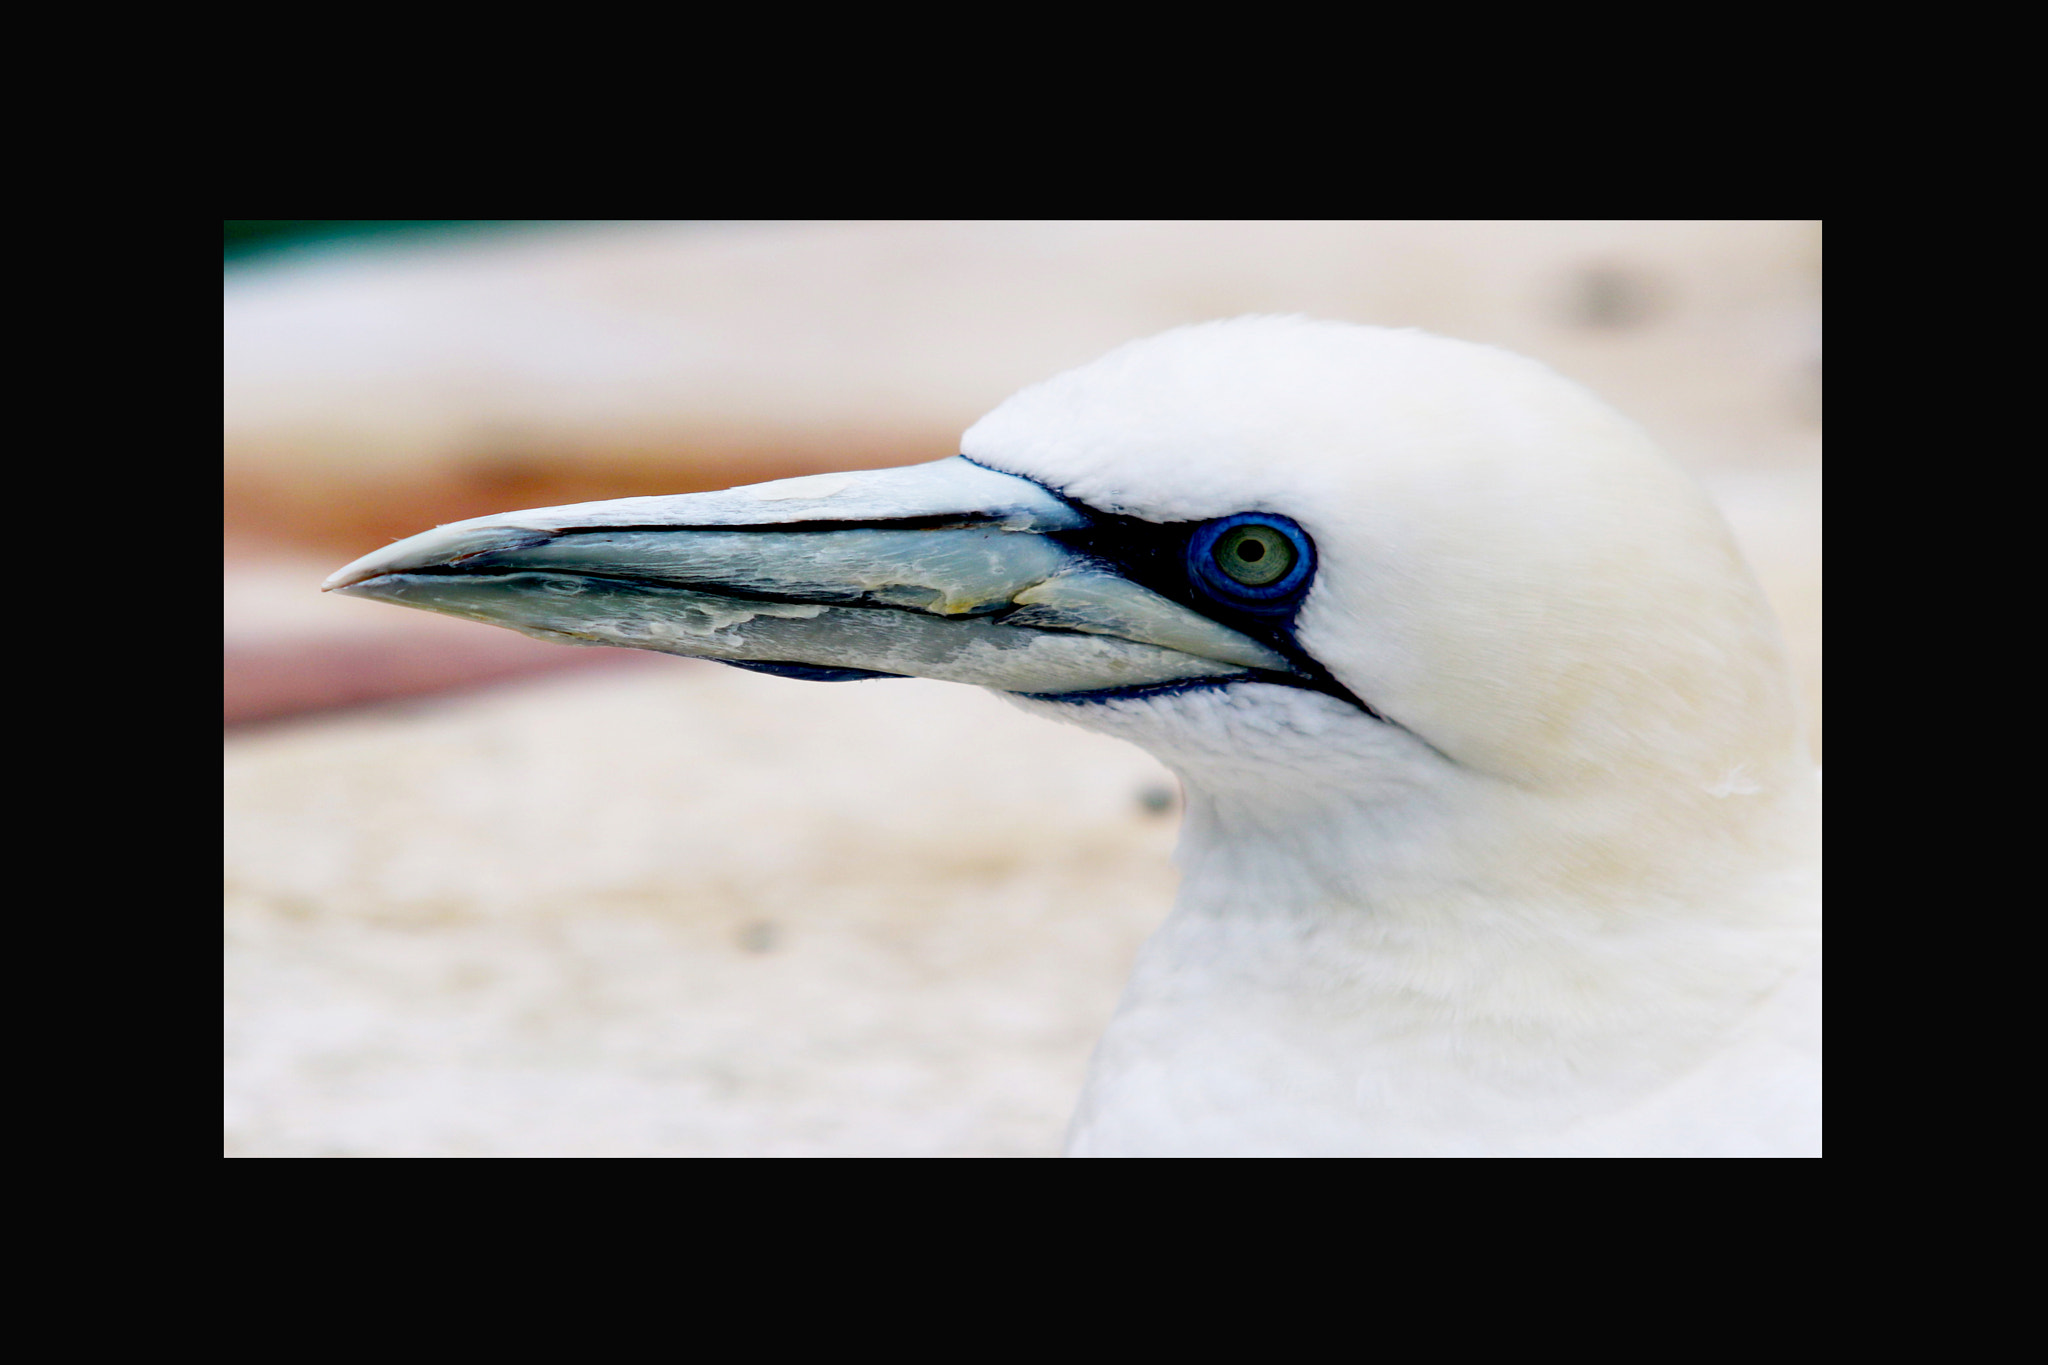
(1500, 836)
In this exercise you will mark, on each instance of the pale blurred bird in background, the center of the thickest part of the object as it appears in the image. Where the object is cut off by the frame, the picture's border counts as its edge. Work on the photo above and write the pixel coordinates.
(1501, 832)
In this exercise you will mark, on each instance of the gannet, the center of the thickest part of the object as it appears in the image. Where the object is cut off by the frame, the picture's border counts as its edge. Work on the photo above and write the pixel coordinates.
(1501, 837)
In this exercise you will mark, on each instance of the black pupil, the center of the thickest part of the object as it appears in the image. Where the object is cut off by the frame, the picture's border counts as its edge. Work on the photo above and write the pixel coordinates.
(1251, 551)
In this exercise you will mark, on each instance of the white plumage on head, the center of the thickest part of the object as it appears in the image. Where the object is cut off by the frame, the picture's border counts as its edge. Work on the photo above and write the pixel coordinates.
(1567, 902)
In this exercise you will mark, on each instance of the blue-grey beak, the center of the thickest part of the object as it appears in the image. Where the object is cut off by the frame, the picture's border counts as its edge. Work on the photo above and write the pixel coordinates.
(944, 570)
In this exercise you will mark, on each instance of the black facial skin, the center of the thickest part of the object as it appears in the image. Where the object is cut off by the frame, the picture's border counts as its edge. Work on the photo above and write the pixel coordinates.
(1154, 555)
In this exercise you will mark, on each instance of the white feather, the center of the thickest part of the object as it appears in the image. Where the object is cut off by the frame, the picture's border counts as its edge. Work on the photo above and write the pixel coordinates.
(1568, 904)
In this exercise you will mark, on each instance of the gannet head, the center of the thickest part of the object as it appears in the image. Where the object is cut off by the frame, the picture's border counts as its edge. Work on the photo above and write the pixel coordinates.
(1506, 567)
(1303, 562)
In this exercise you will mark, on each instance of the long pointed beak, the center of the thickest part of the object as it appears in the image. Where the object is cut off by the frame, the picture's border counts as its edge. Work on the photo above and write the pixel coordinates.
(945, 570)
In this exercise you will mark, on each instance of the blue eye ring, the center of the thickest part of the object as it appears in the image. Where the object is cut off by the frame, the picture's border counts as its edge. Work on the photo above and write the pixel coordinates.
(1212, 544)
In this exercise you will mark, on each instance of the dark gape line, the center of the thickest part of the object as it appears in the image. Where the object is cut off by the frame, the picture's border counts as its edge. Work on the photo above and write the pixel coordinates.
(807, 672)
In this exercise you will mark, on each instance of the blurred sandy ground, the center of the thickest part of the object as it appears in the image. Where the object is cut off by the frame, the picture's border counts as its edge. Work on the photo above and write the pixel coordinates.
(616, 904)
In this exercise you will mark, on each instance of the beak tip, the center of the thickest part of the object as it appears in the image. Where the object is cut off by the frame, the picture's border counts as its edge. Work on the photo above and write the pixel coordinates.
(346, 577)
(450, 544)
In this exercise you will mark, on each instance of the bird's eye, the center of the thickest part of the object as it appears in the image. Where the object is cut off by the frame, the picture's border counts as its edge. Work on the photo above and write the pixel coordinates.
(1254, 561)
(1255, 556)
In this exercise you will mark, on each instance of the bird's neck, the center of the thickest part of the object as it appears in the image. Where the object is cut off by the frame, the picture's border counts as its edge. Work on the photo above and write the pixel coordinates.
(1416, 965)
(1492, 898)
(1378, 949)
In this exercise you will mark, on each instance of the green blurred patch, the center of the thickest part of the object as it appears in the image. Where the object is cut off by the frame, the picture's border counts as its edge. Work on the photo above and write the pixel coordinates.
(245, 239)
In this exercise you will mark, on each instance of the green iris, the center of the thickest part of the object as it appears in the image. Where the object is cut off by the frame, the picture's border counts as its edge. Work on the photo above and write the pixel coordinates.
(1254, 555)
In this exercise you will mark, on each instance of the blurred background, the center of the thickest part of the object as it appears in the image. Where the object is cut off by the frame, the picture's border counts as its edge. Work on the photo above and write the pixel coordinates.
(487, 896)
